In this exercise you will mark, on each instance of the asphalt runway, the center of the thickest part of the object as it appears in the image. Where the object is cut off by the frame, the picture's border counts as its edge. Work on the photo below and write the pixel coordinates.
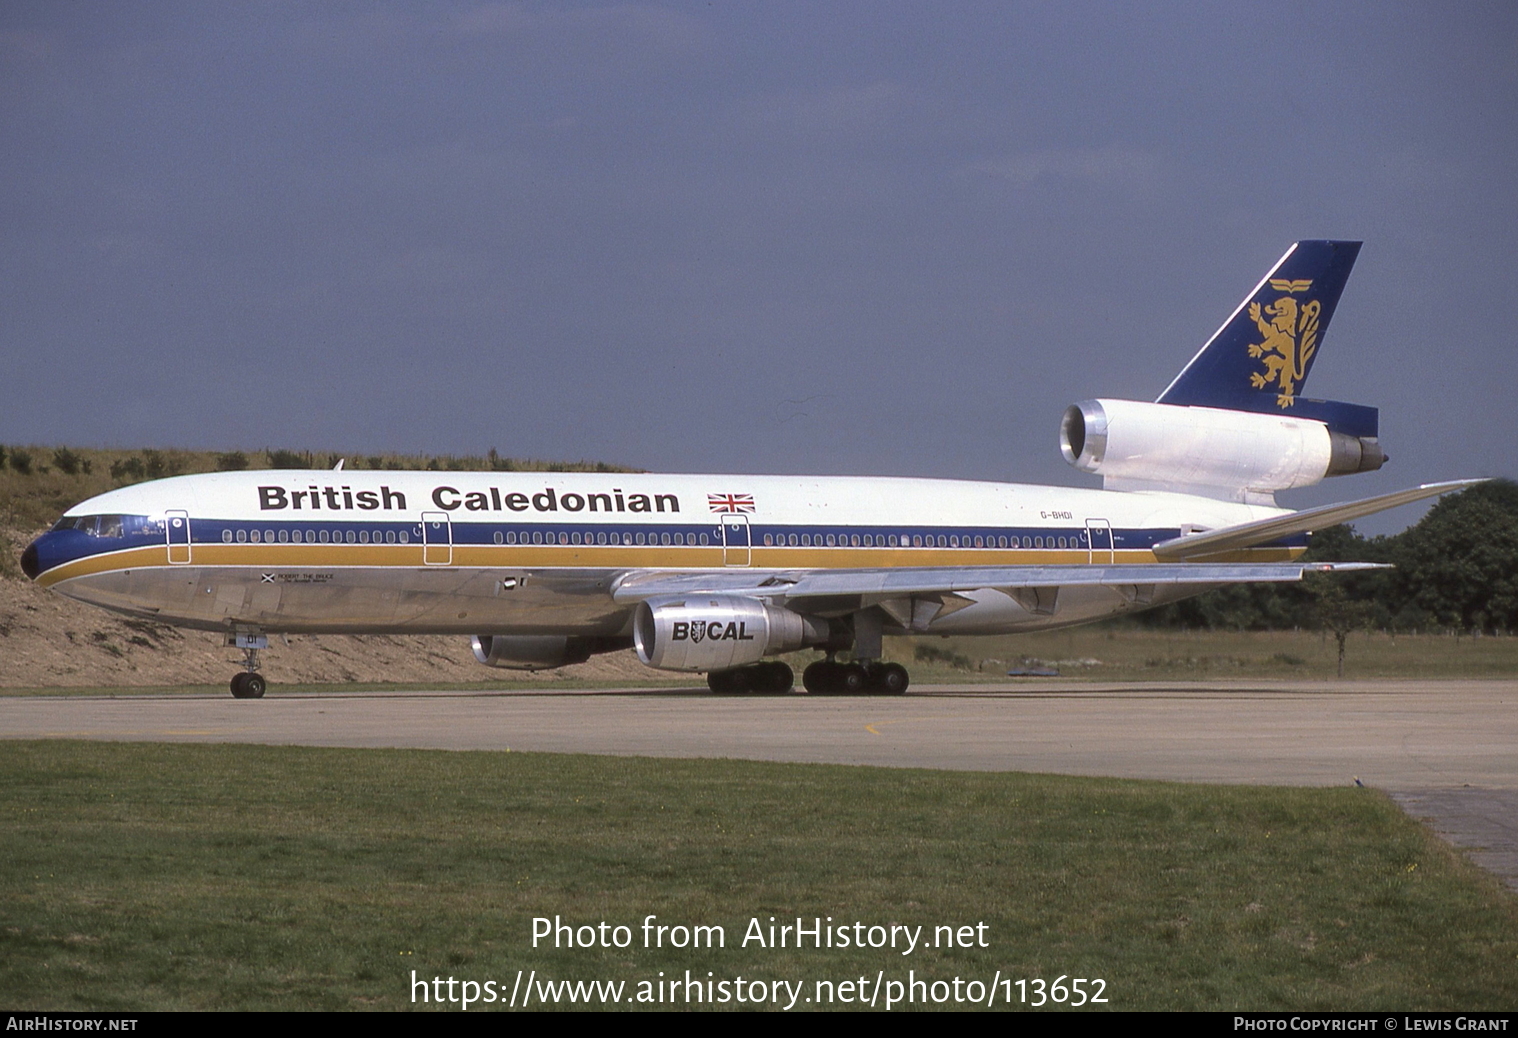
(1447, 750)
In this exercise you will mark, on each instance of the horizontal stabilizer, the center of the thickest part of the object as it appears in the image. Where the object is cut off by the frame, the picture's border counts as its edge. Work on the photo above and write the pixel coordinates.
(1263, 531)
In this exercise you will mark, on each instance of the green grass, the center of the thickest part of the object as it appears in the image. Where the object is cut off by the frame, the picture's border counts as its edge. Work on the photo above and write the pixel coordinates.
(1115, 652)
(139, 876)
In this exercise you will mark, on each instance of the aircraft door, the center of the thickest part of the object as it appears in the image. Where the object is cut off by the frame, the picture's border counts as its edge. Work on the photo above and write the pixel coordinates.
(736, 543)
(1099, 541)
(176, 532)
(437, 539)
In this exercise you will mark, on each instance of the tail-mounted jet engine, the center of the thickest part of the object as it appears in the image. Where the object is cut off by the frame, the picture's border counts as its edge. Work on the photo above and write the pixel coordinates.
(539, 652)
(718, 632)
(1237, 454)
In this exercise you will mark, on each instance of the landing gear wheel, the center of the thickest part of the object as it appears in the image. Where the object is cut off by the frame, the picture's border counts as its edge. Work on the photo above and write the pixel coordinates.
(248, 686)
(781, 677)
(759, 677)
(892, 679)
(853, 679)
(725, 680)
(820, 678)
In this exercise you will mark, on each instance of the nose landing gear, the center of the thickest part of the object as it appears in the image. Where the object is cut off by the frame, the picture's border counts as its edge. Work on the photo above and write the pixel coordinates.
(249, 684)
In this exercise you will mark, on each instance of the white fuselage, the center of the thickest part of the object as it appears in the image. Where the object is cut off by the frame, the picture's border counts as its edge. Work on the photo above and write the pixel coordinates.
(543, 552)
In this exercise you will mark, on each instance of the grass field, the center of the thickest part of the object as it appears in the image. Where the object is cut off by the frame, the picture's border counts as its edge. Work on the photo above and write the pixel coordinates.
(1115, 652)
(141, 876)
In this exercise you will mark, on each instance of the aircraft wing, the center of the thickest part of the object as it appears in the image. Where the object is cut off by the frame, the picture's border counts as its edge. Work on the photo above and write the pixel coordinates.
(1263, 531)
(881, 584)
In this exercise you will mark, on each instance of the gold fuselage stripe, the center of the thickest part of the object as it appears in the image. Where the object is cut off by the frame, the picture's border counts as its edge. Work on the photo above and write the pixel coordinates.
(611, 557)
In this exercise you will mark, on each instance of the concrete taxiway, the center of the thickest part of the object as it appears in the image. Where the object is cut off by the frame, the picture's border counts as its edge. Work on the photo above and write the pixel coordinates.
(1394, 735)
(1445, 749)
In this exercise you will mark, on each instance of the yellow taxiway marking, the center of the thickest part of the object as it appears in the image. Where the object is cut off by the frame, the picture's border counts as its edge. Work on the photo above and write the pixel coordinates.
(905, 720)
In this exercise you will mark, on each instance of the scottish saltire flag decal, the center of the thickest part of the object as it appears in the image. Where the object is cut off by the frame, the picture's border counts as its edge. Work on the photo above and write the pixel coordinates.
(730, 502)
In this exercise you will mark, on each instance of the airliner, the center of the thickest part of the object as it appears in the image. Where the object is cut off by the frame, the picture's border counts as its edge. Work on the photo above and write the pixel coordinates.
(714, 573)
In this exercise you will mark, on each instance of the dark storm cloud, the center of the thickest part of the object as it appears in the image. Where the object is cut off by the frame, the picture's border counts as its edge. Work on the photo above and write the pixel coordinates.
(844, 237)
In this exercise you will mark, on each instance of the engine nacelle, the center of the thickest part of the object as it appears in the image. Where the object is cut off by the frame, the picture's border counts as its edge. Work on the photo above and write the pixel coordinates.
(1141, 446)
(539, 652)
(715, 632)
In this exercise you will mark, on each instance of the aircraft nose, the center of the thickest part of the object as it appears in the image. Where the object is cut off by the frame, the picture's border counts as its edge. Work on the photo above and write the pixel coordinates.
(29, 563)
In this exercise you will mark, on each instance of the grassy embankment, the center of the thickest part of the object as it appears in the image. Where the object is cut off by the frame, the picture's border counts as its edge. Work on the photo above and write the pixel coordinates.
(225, 877)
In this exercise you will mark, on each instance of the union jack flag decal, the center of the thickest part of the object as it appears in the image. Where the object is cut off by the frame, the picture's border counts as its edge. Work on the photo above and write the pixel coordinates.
(730, 502)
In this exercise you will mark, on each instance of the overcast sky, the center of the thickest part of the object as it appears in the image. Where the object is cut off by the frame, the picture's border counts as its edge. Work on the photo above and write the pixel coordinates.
(876, 238)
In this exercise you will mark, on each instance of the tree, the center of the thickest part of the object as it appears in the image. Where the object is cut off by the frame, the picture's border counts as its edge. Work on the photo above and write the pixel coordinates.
(1338, 613)
(1459, 565)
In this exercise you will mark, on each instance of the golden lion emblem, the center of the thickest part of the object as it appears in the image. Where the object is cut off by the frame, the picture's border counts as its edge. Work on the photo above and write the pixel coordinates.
(1290, 338)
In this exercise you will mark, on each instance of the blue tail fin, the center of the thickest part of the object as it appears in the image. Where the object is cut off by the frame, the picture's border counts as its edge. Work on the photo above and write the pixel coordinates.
(1261, 357)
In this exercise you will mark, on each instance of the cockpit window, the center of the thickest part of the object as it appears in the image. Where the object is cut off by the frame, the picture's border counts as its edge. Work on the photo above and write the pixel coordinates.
(111, 525)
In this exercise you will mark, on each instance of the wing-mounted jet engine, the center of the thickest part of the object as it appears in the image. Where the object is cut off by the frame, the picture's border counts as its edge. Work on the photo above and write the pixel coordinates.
(725, 634)
(539, 651)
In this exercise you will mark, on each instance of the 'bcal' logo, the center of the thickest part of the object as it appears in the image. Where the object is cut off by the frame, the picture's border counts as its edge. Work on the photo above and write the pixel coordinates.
(1290, 338)
(697, 631)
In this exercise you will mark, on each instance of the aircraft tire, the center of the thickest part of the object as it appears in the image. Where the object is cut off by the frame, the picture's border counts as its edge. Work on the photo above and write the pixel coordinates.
(892, 679)
(248, 686)
(818, 679)
(853, 679)
(778, 677)
(723, 681)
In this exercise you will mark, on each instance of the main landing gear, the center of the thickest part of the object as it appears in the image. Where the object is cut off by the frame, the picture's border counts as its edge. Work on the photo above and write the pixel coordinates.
(758, 677)
(829, 677)
(249, 684)
(825, 677)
